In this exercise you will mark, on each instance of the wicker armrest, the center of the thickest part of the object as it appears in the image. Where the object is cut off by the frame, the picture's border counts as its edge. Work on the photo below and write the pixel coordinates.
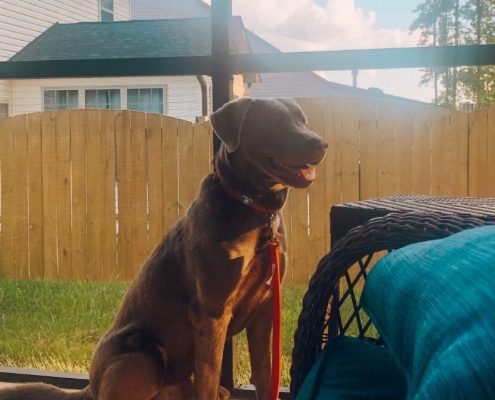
(320, 317)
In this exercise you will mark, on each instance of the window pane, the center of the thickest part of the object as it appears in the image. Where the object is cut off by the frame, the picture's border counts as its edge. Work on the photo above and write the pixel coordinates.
(106, 16)
(107, 4)
(114, 102)
(61, 99)
(157, 101)
(73, 99)
(133, 99)
(102, 98)
(145, 99)
(90, 99)
(49, 99)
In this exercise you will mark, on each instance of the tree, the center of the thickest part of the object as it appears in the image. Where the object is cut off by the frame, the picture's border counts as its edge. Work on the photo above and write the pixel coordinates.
(478, 83)
(439, 24)
(426, 22)
(455, 22)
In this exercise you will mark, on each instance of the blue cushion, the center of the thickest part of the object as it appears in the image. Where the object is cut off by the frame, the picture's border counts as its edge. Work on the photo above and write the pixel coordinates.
(434, 305)
(353, 369)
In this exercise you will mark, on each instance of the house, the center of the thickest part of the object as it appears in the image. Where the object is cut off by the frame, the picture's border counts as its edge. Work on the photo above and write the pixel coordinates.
(21, 21)
(186, 97)
(158, 28)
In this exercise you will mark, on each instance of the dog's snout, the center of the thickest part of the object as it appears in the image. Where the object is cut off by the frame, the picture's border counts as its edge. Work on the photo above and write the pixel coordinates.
(320, 144)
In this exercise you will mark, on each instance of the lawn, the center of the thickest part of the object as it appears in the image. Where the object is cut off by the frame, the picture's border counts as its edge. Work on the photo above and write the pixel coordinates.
(55, 326)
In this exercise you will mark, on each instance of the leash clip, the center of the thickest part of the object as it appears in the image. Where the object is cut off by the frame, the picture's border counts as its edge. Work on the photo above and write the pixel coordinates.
(273, 238)
(248, 201)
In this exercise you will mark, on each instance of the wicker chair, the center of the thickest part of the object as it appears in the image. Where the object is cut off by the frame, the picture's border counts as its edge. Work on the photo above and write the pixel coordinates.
(322, 315)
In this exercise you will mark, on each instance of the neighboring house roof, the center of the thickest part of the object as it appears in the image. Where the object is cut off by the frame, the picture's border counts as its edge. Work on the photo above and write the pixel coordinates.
(127, 39)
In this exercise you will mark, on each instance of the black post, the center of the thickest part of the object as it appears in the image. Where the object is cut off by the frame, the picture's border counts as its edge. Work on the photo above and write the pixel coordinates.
(221, 15)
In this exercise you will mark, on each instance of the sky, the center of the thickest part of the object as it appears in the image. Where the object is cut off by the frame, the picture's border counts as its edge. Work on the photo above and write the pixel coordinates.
(306, 25)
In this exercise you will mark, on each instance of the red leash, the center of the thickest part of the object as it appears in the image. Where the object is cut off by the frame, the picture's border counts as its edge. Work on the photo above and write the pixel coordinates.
(276, 320)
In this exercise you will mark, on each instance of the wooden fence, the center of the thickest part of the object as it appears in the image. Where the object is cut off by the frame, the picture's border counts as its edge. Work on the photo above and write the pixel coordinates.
(87, 194)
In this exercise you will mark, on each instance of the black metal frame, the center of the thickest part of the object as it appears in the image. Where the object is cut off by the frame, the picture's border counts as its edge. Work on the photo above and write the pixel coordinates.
(221, 65)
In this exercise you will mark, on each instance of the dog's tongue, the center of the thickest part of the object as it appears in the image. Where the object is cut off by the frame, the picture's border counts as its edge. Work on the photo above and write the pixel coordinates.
(309, 173)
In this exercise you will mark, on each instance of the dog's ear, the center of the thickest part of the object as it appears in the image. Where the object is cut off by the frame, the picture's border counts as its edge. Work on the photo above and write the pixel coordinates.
(228, 120)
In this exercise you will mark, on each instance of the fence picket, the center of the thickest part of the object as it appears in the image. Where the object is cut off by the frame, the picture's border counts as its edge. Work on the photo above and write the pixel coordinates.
(63, 194)
(421, 154)
(49, 168)
(21, 243)
(80, 123)
(201, 154)
(170, 172)
(368, 135)
(386, 150)
(491, 150)
(404, 134)
(7, 162)
(35, 193)
(154, 172)
(125, 193)
(186, 149)
(459, 154)
(319, 236)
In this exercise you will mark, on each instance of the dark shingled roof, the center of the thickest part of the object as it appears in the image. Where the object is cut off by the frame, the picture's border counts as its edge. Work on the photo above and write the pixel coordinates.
(120, 39)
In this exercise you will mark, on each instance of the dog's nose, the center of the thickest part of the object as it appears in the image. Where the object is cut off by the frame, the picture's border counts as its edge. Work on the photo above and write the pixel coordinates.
(320, 144)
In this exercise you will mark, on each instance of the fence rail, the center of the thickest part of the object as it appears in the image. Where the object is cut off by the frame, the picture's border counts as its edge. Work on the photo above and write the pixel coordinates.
(87, 194)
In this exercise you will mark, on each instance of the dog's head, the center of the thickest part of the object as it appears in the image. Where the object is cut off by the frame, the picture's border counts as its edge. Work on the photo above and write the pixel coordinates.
(269, 139)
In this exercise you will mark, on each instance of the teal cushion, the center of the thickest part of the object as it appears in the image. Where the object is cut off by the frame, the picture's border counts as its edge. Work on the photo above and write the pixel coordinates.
(353, 369)
(434, 305)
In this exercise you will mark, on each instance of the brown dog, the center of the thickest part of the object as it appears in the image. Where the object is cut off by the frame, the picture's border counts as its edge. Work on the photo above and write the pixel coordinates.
(207, 279)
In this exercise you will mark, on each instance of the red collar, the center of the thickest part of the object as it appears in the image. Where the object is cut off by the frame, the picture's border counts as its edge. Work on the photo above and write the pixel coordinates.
(242, 198)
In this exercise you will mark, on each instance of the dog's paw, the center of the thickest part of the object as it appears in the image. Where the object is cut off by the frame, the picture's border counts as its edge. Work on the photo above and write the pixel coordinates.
(223, 394)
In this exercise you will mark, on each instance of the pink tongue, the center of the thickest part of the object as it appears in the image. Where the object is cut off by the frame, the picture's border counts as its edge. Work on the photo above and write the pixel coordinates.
(309, 173)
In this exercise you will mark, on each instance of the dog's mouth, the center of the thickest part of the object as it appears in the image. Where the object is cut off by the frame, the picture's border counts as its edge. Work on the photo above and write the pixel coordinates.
(299, 176)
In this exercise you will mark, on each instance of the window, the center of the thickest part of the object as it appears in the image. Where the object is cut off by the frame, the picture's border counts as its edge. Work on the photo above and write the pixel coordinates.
(103, 98)
(106, 10)
(58, 99)
(148, 100)
(4, 110)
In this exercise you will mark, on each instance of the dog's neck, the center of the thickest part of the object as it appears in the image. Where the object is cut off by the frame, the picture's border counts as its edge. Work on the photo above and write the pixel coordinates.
(267, 201)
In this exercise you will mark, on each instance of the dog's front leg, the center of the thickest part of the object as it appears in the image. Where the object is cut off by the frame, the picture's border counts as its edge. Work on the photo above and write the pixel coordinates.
(209, 337)
(259, 339)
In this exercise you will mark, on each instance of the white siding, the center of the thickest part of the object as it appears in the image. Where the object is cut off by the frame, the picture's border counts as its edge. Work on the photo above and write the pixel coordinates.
(182, 98)
(5, 91)
(21, 21)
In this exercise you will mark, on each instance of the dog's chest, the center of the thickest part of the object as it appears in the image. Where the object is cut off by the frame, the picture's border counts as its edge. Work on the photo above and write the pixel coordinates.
(254, 286)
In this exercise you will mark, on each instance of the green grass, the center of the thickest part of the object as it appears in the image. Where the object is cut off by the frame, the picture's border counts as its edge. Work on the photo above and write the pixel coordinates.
(55, 326)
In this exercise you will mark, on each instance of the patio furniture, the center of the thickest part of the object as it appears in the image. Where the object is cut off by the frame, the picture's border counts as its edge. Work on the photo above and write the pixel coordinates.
(327, 313)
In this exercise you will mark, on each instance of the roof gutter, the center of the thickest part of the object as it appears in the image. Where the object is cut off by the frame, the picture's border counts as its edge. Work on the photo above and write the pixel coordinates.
(204, 95)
